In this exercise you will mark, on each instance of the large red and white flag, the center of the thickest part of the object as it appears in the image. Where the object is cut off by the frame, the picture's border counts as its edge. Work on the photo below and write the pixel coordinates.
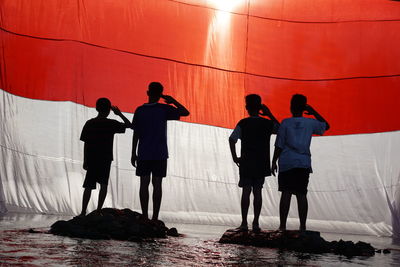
(57, 57)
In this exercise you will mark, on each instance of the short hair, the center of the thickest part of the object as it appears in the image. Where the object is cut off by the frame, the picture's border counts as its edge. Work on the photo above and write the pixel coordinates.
(103, 105)
(298, 102)
(155, 89)
(253, 102)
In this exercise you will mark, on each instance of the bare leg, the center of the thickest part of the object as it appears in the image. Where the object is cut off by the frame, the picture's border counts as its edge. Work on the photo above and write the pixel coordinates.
(157, 195)
(102, 196)
(257, 204)
(144, 194)
(302, 204)
(85, 200)
(244, 204)
(284, 206)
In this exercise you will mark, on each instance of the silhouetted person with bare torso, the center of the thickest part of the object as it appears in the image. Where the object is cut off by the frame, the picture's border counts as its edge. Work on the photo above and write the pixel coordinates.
(98, 135)
(254, 161)
(149, 148)
(292, 148)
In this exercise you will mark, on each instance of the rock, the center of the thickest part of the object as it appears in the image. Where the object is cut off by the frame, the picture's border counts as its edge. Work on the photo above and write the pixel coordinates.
(364, 249)
(110, 223)
(308, 241)
(173, 232)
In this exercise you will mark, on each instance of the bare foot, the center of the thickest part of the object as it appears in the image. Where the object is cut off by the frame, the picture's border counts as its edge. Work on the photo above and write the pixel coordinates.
(242, 228)
(256, 228)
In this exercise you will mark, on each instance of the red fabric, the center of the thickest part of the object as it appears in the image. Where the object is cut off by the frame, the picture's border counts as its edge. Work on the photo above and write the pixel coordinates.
(343, 56)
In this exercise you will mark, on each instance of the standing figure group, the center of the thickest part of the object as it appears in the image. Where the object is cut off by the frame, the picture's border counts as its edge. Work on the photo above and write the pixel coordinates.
(150, 151)
(149, 146)
(292, 148)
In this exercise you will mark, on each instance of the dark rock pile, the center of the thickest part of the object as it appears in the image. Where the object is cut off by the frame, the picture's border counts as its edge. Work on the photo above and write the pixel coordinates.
(113, 224)
(309, 241)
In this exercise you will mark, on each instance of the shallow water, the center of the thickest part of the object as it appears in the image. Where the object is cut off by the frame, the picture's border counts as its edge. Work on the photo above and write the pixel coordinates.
(199, 247)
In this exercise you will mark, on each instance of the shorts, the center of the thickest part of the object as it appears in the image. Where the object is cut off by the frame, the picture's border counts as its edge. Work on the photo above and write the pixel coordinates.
(98, 172)
(253, 172)
(294, 180)
(157, 168)
(254, 182)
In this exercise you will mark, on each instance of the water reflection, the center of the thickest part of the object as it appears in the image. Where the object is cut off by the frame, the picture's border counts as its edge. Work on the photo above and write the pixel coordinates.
(198, 248)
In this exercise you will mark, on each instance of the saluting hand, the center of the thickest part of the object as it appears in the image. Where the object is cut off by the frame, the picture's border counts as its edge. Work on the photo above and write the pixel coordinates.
(309, 110)
(168, 99)
(265, 111)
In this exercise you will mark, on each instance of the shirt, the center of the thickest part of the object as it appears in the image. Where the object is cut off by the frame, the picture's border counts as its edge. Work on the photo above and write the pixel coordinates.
(294, 138)
(255, 133)
(150, 124)
(98, 135)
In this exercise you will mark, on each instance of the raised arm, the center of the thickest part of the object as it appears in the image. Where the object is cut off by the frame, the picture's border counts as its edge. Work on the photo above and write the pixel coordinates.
(183, 112)
(117, 112)
(311, 111)
(265, 111)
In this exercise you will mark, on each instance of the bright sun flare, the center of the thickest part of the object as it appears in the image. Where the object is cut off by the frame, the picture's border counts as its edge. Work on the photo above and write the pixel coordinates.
(226, 5)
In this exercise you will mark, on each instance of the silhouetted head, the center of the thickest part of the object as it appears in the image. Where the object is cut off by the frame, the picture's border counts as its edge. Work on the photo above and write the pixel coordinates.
(103, 106)
(298, 104)
(155, 91)
(253, 104)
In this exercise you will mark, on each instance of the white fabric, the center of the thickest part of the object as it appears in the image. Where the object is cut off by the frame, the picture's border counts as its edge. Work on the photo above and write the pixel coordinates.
(354, 189)
(294, 138)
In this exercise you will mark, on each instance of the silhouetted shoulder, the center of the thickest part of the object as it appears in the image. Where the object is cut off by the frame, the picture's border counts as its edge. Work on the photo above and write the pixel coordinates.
(140, 108)
(255, 127)
(256, 121)
(285, 121)
(159, 110)
(242, 121)
(96, 128)
(253, 119)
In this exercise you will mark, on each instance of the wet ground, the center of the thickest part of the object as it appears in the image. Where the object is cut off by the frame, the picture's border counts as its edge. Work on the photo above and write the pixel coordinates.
(199, 247)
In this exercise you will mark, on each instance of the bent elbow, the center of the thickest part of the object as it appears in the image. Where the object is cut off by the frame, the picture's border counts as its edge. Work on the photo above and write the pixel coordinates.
(185, 113)
(327, 127)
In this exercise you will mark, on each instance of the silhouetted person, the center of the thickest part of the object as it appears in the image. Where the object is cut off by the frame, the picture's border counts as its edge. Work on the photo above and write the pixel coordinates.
(149, 149)
(254, 160)
(292, 148)
(98, 135)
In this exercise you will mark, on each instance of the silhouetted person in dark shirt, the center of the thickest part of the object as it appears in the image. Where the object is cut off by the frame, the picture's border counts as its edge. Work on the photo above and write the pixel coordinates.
(98, 135)
(254, 160)
(292, 148)
(149, 148)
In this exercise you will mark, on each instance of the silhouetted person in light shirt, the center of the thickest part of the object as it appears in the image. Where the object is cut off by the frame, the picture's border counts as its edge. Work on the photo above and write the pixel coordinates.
(254, 161)
(98, 135)
(292, 148)
(149, 148)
